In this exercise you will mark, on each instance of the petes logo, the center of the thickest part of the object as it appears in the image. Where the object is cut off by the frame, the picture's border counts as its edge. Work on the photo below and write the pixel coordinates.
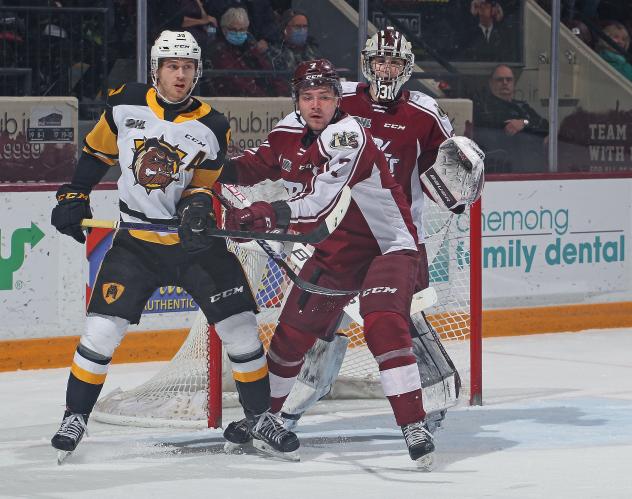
(133, 123)
(344, 140)
(286, 165)
(156, 163)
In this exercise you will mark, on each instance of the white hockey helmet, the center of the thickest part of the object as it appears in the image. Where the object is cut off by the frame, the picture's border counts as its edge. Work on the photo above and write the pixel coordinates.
(175, 45)
(387, 43)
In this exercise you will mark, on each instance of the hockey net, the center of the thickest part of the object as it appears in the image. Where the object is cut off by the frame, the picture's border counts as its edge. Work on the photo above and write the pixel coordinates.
(187, 391)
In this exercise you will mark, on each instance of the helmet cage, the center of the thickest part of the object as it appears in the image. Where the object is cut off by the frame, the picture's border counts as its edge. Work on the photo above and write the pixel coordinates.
(175, 45)
(387, 43)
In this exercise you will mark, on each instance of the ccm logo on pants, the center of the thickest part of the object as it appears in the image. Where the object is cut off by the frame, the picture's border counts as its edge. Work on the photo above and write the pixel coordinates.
(379, 289)
(226, 294)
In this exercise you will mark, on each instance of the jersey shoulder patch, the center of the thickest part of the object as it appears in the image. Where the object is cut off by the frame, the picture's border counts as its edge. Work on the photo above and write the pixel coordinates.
(134, 94)
(343, 137)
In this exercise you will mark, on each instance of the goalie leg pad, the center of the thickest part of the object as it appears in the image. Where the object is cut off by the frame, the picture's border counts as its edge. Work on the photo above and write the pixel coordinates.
(389, 341)
(317, 376)
(439, 377)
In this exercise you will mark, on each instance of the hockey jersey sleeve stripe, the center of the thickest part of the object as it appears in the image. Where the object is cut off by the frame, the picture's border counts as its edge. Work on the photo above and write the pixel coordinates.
(101, 141)
(205, 178)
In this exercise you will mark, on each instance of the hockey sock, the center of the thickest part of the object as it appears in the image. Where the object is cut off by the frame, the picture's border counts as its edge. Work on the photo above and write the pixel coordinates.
(87, 375)
(285, 359)
(389, 341)
(250, 373)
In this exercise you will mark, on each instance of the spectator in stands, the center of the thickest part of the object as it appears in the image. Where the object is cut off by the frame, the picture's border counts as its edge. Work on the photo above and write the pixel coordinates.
(296, 46)
(620, 36)
(236, 49)
(487, 39)
(580, 30)
(264, 26)
(512, 134)
(198, 22)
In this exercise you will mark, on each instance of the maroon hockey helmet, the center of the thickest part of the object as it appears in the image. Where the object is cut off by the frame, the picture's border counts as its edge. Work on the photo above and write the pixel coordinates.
(316, 73)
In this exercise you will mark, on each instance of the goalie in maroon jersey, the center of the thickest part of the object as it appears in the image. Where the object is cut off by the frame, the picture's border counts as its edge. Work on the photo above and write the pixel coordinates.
(317, 153)
(409, 127)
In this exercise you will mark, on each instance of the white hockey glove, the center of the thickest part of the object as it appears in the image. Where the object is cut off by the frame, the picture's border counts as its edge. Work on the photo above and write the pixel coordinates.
(457, 176)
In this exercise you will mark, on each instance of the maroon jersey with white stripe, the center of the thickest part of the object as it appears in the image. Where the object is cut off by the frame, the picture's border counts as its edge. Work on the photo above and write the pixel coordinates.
(315, 169)
(408, 130)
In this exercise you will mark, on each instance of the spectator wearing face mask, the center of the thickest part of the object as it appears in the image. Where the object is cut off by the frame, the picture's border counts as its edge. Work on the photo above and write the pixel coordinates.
(296, 45)
(235, 49)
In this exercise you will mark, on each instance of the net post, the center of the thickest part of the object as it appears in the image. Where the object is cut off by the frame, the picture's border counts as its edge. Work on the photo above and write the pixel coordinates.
(214, 378)
(476, 306)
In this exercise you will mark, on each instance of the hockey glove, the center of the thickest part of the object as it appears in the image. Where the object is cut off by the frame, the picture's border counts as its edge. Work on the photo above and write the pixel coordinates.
(196, 217)
(457, 177)
(73, 205)
(259, 217)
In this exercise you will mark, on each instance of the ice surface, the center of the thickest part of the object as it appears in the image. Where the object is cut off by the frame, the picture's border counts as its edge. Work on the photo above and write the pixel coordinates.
(557, 422)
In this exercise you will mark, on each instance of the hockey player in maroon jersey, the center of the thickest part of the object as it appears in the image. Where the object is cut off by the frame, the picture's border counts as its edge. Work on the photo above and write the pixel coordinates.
(409, 127)
(316, 153)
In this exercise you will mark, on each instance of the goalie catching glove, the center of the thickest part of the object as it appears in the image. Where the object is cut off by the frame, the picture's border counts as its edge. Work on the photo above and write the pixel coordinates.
(457, 176)
(73, 205)
(196, 217)
(259, 217)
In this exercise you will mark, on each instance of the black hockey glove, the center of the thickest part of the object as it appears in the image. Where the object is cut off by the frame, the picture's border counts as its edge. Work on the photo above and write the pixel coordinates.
(196, 216)
(73, 205)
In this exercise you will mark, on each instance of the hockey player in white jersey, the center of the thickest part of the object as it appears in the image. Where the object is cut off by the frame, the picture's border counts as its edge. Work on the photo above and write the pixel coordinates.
(171, 149)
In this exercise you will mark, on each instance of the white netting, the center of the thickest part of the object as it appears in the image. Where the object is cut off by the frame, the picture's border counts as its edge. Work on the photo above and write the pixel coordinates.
(177, 395)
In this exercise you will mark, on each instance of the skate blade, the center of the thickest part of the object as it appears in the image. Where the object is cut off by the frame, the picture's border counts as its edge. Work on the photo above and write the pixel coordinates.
(233, 448)
(62, 455)
(269, 451)
(426, 463)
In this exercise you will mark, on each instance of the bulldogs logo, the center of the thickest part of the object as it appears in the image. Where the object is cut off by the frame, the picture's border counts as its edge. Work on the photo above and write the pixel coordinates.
(156, 163)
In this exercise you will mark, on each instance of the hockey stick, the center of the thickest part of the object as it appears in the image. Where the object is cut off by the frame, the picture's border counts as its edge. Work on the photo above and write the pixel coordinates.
(316, 236)
(279, 258)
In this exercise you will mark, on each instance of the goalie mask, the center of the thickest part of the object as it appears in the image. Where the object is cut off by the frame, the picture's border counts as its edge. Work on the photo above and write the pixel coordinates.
(175, 45)
(387, 63)
(457, 177)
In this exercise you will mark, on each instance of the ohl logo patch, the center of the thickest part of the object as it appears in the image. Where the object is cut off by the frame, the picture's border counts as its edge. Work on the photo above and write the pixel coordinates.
(156, 163)
(112, 291)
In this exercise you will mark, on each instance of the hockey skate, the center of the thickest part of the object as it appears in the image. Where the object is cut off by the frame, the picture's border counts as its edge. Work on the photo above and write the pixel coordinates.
(238, 436)
(420, 445)
(69, 435)
(271, 438)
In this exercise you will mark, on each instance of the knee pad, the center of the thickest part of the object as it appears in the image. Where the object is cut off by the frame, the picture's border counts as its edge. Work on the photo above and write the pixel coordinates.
(388, 338)
(289, 345)
(103, 334)
(239, 334)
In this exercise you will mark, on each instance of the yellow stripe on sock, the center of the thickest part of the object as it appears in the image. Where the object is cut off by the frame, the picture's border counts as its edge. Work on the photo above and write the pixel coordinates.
(251, 376)
(86, 376)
